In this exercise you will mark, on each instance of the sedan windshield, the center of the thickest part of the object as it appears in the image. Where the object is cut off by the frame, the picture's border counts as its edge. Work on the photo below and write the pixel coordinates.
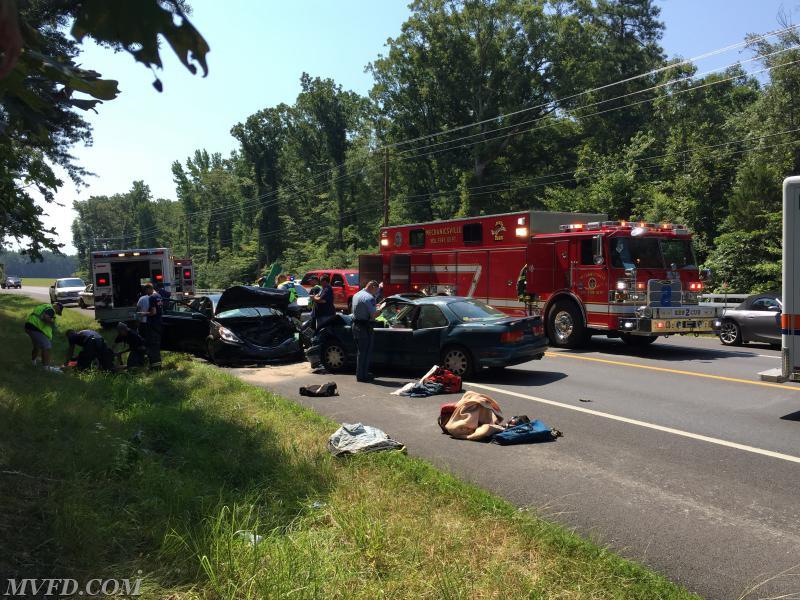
(475, 310)
(70, 283)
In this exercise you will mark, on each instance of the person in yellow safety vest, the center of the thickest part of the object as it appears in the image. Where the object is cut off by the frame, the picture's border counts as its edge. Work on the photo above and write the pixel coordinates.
(287, 283)
(39, 326)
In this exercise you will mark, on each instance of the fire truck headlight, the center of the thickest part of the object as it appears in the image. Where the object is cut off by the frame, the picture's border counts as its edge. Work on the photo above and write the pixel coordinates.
(384, 242)
(717, 324)
(628, 325)
(622, 285)
(522, 232)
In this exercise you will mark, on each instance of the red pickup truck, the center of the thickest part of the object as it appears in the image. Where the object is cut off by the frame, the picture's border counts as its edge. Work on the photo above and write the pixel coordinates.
(343, 281)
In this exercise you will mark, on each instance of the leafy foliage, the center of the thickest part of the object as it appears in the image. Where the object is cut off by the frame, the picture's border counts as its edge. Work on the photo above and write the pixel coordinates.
(38, 99)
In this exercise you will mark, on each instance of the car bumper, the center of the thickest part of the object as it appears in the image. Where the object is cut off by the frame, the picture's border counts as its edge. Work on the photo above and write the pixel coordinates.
(507, 356)
(231, 352)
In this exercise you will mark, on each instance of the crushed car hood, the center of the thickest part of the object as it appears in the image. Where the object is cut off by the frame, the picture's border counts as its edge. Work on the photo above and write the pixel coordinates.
(246, 296)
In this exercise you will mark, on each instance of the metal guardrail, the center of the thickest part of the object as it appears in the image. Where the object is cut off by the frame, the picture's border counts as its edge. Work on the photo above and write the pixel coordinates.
(723, 300)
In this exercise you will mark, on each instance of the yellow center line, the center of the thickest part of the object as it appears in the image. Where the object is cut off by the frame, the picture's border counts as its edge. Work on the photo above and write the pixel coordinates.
(675, 371)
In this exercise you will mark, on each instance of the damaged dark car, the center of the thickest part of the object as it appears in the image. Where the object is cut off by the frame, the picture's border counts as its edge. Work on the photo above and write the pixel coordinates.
(243, 324)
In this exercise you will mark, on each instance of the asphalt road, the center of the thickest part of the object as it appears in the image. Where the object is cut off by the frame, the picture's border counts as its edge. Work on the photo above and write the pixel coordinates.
(675, 455)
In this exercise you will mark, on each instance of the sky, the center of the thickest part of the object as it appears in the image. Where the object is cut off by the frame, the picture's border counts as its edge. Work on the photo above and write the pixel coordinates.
(258, 52)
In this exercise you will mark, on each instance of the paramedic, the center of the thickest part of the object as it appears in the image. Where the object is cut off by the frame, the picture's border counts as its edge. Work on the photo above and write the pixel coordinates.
(93, 346)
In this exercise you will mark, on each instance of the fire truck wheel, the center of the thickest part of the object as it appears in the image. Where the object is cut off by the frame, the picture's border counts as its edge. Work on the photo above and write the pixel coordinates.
(565, 326)
(730, 333)
(637, 340)
(458, 360)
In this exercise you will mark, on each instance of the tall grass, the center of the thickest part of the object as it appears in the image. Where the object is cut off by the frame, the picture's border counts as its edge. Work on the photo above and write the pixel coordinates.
(174, 474)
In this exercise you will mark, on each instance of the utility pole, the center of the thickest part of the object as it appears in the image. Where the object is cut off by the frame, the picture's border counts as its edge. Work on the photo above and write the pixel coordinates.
(386, 187)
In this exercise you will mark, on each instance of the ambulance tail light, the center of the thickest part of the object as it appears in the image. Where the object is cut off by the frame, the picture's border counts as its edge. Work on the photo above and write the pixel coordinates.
(511, 337)
(187, 274)
(696, 286)
(101, 279)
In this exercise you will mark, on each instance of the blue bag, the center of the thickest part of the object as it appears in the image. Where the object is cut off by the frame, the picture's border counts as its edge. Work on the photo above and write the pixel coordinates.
(526, 433)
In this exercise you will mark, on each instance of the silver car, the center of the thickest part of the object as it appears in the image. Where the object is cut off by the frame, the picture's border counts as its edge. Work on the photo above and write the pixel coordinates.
(86, 297)
(757, 319)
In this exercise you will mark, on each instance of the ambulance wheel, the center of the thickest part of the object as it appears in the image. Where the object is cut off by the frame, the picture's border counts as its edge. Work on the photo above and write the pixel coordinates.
(565, 326)
(730, 333)
(637, 340)
(458, 360)
(334, 357)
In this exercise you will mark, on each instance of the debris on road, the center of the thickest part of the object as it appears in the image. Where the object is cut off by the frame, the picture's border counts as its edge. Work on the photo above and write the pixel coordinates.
(320, 390)
(583, 400)
(352, 438)
(436, 381)
(478, 417)
(475, 417)
(526, 433)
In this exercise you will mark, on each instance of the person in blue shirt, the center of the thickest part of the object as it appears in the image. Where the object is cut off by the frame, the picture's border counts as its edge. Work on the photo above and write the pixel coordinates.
(364, 313)
(155, 308)
(324, 309)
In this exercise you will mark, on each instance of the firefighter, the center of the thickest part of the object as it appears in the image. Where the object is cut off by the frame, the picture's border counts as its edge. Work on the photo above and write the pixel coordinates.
(39, 326)
(93, 347)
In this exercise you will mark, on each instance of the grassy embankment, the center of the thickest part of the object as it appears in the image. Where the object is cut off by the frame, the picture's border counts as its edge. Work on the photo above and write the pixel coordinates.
(37, 281)
(109, 476)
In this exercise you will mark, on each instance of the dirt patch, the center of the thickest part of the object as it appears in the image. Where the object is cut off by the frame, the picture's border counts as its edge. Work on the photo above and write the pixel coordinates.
(260, 374)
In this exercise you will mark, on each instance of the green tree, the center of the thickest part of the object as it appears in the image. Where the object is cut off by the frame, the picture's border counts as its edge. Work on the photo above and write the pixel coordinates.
(40, 95)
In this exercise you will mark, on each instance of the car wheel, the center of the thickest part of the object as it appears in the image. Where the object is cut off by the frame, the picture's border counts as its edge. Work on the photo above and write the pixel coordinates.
(637, 340)
(81, 303)
(458, 360)
(730, 334)
(334, 357)
(210, 352)
(565, 326)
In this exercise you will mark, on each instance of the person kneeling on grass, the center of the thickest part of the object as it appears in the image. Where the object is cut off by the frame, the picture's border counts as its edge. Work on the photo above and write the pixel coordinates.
(39, 326)
(135, 345)
(93, 347)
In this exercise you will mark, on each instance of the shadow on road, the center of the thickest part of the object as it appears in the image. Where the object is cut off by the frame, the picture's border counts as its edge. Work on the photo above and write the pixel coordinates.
(795, 416)
(524, 377)
(660, 351)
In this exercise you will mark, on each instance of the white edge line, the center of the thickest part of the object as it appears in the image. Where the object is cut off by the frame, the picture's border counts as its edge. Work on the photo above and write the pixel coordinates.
(597, 413)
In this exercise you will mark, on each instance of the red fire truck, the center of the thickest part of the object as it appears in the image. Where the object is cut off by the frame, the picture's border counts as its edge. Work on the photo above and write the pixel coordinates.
(586, 275)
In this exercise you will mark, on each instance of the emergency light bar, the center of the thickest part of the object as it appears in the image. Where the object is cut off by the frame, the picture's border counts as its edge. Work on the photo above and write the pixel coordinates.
(615, 225)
